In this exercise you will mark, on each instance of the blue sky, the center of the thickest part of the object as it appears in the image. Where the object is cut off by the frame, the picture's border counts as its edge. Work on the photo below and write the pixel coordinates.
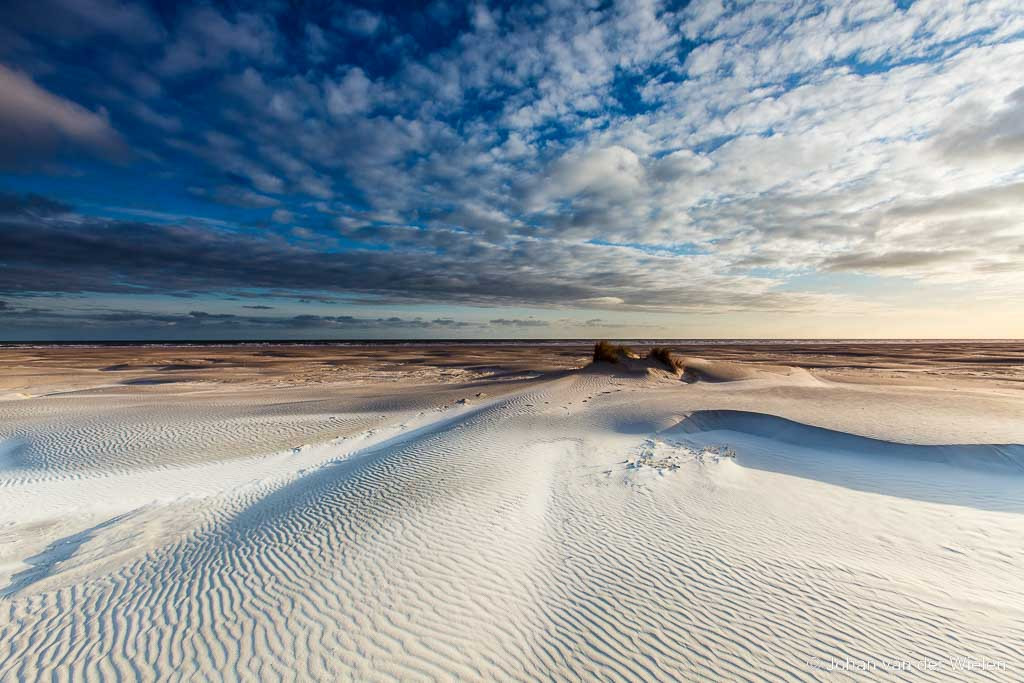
(636, 169)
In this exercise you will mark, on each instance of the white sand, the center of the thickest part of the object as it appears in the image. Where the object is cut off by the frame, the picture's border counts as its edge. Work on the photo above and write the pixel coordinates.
(584, 526)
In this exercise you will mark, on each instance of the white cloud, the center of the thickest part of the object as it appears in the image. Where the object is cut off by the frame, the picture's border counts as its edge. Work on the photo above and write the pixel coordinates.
(614, 172)
(601, 301)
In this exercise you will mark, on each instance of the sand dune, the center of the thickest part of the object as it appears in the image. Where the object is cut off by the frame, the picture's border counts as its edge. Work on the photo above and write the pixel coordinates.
(998, 458)
(700, 369)
(577, 526)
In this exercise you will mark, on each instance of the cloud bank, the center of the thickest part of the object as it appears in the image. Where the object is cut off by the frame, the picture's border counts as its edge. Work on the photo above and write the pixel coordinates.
(707, 159)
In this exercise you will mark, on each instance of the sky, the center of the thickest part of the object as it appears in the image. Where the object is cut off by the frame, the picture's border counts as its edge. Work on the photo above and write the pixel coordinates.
(790, 169)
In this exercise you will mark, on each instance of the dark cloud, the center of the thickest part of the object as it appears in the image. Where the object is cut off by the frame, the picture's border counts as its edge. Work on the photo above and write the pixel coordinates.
(361, 22)
(967, 202)
(520, 322)
(259, 308)
(233, 195)
(76, 254)
(449, 323)
(204, 322)
(218, 317)
(30, 205)
(895, 260)
(75, 20)
(978, 134)
(206, 39)
(36, 126)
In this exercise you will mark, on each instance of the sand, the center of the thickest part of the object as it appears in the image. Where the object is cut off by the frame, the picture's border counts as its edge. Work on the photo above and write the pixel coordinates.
(501, 512)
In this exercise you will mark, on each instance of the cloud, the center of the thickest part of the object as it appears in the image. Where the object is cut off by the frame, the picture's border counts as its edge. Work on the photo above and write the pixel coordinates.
(349, 95)
(362, 22)
(896, 260)
(977, 133)
(205, 39)
(717, 157)
(203, 323)
(679, 164)
(233, 195)
(36, 125)
(282, 216)
(980, 200)
(76, 20)
(520, 322)
(164, 122)
(602, 301)
(30, 206)
(614, 172)
(318, 45)
(78, 254)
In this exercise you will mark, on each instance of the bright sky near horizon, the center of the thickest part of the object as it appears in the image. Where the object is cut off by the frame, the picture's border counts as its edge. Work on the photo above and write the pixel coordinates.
(561, 169)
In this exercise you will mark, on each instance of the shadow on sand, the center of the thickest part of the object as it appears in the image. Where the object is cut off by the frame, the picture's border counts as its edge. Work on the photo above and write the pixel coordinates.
(984, 476)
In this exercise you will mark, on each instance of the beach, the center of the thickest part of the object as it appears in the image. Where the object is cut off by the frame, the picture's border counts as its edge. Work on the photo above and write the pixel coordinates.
(510, 511)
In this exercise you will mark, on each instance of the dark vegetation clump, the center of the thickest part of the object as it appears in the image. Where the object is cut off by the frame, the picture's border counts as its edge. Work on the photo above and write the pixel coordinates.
(663, 355)
(609, 353)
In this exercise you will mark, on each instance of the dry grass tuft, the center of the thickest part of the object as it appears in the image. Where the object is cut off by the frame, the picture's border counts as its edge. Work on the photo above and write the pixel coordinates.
(605, 352)
(663, 355)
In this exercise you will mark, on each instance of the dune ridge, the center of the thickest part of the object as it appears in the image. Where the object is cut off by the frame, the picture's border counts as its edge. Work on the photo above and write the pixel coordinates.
(996, 457)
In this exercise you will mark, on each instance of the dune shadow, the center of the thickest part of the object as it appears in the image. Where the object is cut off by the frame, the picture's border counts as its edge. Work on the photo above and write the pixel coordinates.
(12, 454)
(983, 476)
(43, 564)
